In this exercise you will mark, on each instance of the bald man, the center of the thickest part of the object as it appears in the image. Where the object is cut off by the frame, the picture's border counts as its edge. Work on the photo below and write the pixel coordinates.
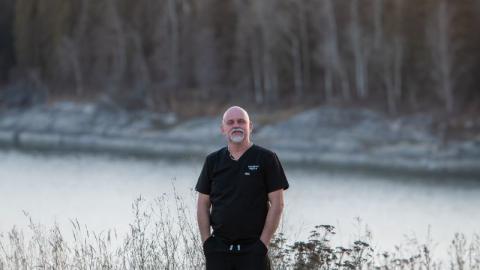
(240, 198)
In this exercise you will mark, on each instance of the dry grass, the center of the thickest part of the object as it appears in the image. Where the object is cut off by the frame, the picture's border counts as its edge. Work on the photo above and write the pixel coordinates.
(165, 237)
(154, 241)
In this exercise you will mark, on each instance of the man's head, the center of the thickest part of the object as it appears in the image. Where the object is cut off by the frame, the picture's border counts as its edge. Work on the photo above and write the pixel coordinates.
(236, 125)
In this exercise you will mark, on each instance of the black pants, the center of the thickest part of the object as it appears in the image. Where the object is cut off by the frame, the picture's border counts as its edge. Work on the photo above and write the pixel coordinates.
(221, 255)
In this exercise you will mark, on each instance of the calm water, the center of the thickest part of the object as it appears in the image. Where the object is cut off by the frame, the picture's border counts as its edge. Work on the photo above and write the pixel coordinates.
(99, 191)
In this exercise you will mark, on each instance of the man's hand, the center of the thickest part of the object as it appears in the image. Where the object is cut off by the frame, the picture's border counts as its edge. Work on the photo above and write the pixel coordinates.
(203, 216)
(273, 216)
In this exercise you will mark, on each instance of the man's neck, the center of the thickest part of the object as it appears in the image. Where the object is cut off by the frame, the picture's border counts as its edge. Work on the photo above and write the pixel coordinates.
(236, 150)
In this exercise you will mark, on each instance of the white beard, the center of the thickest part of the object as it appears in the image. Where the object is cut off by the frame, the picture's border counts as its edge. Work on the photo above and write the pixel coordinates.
(237, 138)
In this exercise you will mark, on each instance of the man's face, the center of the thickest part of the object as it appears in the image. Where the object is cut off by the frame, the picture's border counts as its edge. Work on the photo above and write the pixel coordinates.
(236, 126)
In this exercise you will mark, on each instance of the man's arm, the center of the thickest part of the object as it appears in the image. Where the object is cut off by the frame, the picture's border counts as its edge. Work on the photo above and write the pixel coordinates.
(273, 216)
(203, 215)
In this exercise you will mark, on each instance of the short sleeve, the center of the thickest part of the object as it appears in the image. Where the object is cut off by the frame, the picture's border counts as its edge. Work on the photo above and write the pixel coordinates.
(204, 180)
(275, 178)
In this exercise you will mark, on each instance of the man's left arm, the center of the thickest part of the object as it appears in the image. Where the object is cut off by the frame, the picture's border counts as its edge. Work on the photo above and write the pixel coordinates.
(273, 216)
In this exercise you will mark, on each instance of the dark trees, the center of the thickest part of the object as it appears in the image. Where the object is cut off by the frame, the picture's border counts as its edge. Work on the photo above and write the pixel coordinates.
(163, 54)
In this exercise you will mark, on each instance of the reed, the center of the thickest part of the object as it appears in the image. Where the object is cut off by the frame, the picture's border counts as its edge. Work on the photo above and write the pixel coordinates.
(164, 237)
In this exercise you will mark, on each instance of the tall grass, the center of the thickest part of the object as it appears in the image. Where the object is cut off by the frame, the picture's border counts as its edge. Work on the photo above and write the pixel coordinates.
(165, 237)
(158, 238)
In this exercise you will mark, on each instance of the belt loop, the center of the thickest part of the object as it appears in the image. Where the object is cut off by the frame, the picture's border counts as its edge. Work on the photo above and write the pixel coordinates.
(238, 247)
(231, 247)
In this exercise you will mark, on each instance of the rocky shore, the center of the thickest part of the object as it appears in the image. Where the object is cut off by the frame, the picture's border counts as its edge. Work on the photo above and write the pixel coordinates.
(324, 137)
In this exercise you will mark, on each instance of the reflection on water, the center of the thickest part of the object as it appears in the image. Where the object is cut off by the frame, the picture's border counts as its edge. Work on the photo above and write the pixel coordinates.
(99, 190)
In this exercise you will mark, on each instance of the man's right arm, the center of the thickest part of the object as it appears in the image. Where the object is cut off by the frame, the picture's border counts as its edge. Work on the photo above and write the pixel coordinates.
(203, 215)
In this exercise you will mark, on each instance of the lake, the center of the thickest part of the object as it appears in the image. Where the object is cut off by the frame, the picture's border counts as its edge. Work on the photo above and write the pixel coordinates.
(98, 190)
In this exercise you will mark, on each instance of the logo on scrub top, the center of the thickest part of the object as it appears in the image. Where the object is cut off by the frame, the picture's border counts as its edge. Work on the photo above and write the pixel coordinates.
(252, 168)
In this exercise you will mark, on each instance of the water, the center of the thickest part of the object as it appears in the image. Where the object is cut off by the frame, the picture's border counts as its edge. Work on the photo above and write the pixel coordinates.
(99, 191)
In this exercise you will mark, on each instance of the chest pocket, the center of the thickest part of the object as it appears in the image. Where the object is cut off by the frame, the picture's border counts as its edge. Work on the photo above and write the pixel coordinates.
(252, 177)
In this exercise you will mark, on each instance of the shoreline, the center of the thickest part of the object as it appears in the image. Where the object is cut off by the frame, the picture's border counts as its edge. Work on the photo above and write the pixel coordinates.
(326, 137)
(183, 148)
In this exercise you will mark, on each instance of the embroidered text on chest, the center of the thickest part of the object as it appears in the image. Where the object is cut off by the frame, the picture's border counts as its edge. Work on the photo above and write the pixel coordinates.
(252, 168)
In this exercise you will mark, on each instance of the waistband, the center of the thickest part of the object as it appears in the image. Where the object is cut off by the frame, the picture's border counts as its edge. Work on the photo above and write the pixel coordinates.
(228, 241)
(219, 244)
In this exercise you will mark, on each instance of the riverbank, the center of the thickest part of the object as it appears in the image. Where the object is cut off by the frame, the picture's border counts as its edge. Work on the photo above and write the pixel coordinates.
(324, 137)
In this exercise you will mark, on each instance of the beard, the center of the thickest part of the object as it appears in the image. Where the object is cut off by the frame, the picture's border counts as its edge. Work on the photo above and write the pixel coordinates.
(235, 137)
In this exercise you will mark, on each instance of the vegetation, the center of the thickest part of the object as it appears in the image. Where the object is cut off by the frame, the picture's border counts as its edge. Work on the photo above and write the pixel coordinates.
(173, 54)
(160, 239)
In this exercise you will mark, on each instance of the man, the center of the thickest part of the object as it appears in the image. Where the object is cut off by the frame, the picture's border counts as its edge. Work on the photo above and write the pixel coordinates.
(240, 197)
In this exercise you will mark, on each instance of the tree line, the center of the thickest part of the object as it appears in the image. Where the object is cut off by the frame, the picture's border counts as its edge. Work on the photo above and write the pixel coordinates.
(164, 54)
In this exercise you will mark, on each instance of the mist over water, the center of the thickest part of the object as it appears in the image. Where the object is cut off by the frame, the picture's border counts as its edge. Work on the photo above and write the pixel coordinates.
(99, 191)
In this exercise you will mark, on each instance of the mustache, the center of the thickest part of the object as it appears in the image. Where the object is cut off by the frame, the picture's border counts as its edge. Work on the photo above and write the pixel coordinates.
(237, 130)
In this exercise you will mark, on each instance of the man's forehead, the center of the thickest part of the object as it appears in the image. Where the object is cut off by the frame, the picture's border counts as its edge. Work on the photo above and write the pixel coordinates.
(235, 113)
